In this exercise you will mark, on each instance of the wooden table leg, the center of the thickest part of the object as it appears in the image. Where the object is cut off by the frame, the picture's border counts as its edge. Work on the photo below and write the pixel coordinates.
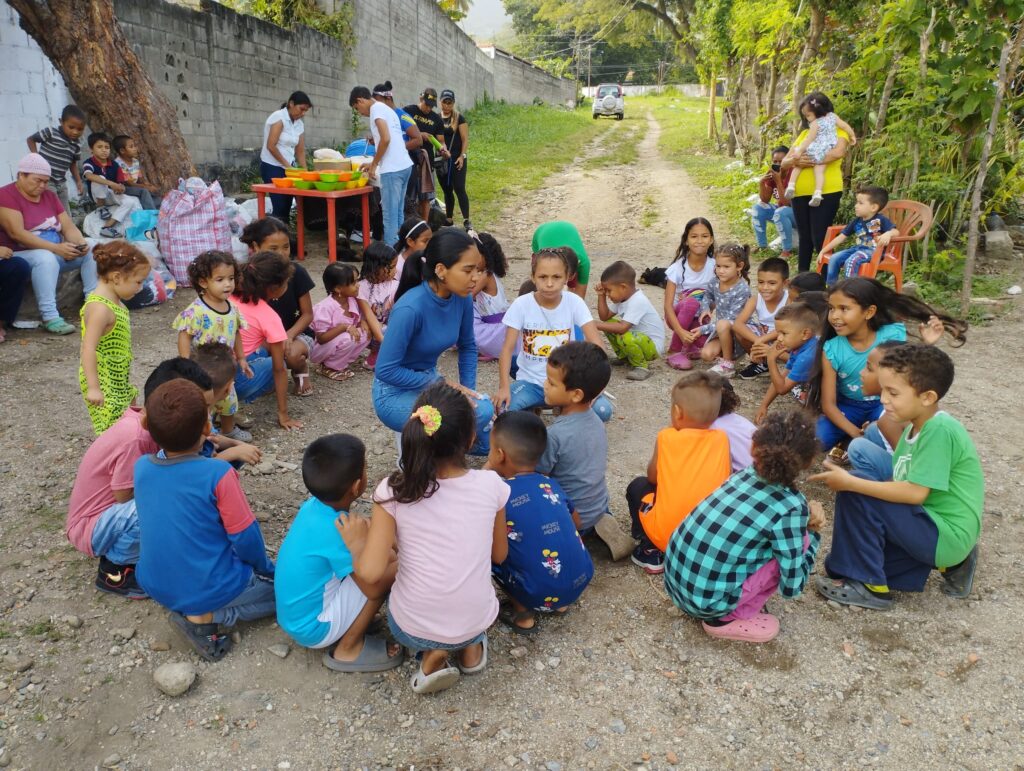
(261, 204)
(332, 231)
(300, 228)
(366, 218)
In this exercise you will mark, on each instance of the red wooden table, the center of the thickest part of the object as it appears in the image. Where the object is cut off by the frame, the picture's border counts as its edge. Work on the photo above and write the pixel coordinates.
(332, 223)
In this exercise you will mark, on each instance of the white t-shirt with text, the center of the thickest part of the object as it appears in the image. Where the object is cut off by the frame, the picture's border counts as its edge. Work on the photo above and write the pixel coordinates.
(542, 330)
(640, 312)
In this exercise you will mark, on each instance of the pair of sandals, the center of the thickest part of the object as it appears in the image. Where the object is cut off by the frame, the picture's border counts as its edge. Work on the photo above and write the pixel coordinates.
(447, 676)
(337, 375)
(373, 657)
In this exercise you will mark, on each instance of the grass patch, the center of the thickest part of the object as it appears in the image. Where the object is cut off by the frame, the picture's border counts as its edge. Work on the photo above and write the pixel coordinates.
(684, 129)
(43, 629)
(940, 279)
(621, 143)
(513, 148)
(649, 212)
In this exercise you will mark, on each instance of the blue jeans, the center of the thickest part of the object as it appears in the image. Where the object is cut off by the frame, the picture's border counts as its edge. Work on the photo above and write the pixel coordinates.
(394, 405)
(869, 457)
(782, 216)
(881, 543)
(145, 197)
(46, 269)
(838, 260)
(248, 389)
(421, 644)
(281, 205)
(255, 601)
(527, 395)
(116, 534)
(857, 412)
(392, 202)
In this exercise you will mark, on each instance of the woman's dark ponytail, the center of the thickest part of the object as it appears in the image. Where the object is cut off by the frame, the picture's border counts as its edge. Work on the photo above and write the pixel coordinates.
(445, 248)
(297, 98)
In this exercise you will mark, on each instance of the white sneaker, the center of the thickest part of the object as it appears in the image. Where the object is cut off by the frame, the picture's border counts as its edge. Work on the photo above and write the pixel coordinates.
(815, 199)
(724, 368)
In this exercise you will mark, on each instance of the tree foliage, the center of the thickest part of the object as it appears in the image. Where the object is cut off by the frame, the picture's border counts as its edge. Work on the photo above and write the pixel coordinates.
(287, 13)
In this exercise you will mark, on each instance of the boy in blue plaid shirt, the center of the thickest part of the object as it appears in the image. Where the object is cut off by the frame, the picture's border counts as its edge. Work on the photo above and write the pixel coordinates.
(755, 535)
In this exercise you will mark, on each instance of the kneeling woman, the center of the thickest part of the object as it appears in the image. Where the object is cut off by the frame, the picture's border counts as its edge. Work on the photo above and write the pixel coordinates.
(433, 311)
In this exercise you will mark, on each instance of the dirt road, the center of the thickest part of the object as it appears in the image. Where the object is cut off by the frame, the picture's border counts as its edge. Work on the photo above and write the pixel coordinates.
(623, 681)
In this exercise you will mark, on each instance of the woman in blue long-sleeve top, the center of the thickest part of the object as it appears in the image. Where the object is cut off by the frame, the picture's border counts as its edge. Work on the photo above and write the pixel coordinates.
(433, 311)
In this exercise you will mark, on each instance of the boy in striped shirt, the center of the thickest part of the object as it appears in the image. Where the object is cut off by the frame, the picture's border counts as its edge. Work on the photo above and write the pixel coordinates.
(60, 147)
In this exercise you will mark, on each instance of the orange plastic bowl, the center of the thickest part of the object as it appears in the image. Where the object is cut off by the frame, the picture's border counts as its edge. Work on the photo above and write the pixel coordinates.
(344, 176)
(310, 176)
(283, 181)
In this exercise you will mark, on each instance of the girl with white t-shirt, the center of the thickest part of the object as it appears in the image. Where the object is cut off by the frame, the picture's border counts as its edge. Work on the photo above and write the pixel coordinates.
(284, 145)
(543, 320)
(448, 523)
(391, 160)
(686, 279)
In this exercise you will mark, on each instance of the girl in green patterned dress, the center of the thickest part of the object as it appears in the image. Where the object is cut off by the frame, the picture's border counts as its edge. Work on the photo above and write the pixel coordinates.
(107, 335)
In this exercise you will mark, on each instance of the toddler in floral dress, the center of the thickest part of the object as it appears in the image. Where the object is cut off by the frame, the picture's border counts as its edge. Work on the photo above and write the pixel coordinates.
(340, 328)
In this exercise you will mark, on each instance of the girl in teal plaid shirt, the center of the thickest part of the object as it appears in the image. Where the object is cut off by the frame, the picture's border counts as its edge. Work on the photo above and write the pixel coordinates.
(753, 536)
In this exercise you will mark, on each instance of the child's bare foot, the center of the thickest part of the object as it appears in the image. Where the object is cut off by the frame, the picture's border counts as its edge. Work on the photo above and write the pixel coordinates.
(351, 652)
(433, 661)
(471, 656)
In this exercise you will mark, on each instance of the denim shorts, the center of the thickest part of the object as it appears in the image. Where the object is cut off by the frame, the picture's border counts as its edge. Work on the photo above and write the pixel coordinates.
(420, 644)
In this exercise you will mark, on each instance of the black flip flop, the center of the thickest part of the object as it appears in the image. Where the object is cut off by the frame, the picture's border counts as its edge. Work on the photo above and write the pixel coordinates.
(205, 638)
(508, 616)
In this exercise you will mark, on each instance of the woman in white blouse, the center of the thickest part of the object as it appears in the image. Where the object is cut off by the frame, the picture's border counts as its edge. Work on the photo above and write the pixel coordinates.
(284, 145)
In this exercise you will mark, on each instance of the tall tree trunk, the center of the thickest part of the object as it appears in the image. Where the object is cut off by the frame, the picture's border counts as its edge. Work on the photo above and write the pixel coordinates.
(711, 105)
(773, 85)
(1007, 71)
(106, 79)
(922, 79)
(890, 81)
(807, 55)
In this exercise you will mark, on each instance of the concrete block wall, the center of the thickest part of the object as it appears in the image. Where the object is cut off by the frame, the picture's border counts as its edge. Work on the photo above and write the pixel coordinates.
(32, 92)
(224, 73)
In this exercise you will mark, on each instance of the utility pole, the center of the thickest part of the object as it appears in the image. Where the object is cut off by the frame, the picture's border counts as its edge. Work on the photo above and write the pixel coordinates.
(590, 69)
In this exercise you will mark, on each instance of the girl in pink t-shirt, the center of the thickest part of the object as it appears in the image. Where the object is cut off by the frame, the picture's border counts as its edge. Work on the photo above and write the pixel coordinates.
(377, 293)
(448, 525)
(264, 277)
(340, 328)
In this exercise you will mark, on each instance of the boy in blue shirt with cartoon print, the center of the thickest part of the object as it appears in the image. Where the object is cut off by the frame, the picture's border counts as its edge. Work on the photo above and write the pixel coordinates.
(547, 567)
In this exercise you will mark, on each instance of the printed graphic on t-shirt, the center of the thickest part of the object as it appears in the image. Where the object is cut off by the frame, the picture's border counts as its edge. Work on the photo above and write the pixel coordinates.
(539, 343)
(551, 562)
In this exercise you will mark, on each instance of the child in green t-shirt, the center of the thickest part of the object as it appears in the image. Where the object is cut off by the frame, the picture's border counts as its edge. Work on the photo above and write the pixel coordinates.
(891, 535)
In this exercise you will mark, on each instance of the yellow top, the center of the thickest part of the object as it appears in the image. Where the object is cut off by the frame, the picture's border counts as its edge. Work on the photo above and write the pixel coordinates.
(833, 172)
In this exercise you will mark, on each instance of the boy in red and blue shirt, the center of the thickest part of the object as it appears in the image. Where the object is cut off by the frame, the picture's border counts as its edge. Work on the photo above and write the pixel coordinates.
(202, 554)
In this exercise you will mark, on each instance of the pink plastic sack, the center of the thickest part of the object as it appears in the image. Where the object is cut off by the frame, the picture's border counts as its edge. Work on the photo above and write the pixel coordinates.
(193, 219)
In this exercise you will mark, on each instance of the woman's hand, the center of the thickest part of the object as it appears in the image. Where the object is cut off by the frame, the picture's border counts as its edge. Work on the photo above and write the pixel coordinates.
(94, 396)
(460, 162)
(355, 332)
(67, 250)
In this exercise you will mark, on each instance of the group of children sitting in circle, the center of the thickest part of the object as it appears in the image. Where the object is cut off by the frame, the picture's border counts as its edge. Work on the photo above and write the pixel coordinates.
(158, 499)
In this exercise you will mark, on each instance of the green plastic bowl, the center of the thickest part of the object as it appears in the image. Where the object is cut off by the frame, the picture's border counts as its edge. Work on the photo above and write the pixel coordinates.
(325, 186)
(302, 184)
(326, 177)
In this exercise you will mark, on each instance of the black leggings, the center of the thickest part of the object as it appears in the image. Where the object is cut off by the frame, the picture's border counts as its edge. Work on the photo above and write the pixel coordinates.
(635, 493)
(453, 183)
(811, 224)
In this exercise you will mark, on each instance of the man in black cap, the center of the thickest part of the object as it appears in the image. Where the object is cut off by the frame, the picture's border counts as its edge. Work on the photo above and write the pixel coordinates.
(429, 123)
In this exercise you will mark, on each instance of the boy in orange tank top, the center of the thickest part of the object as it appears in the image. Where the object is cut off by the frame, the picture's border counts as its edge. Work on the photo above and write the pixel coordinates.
(689, 462)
